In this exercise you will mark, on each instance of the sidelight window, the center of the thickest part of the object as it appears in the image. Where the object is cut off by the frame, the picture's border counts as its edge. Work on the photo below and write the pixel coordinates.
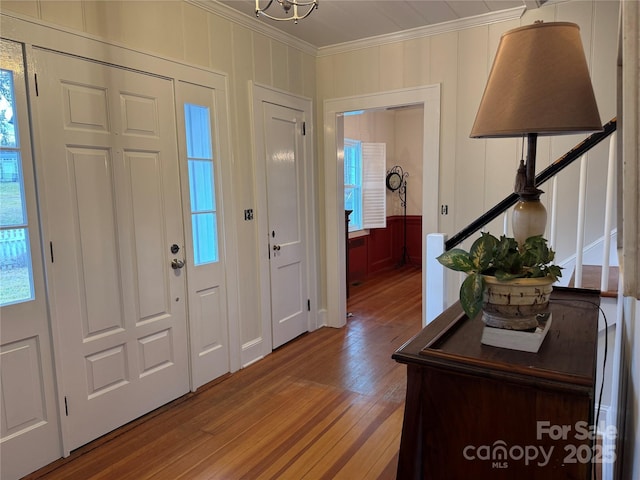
(16, 274)
(204, 221)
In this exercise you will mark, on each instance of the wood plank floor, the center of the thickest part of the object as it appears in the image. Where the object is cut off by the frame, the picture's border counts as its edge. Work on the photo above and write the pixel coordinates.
(326, 405)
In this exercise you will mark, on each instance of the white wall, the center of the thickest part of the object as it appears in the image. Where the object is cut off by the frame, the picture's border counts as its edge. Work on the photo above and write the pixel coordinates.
(200, 38)
(475, 174)
(408, 154)
(629, 170)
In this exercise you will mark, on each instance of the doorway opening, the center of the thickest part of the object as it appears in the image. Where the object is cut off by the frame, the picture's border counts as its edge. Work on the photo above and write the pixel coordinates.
(382, 190)
(429, 98)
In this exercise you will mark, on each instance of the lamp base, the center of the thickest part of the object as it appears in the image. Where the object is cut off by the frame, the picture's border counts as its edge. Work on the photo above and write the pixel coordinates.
(529, 219)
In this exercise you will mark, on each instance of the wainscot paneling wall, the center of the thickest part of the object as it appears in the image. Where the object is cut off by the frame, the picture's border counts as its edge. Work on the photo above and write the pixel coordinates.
(382, 249)
(200, 38)
(473, 173)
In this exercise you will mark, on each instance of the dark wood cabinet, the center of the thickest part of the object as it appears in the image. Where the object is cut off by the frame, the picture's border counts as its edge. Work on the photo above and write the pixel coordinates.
(474, 411)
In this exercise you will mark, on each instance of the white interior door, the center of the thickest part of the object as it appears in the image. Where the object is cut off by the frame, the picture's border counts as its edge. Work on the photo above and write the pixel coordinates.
(204, 221)
(30, 433)
(284, 155)
(111, 178)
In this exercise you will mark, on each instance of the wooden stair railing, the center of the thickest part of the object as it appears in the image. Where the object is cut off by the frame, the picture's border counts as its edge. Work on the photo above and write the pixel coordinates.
(434, 286)
(560, 164)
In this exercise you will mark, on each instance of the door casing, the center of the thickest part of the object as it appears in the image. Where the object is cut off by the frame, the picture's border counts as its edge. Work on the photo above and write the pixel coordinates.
(30, 423)
(427, 96)
(259, 347)
(31, 34)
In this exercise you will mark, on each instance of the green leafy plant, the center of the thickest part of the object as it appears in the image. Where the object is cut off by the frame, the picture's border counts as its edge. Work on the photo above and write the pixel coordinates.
(501, 258)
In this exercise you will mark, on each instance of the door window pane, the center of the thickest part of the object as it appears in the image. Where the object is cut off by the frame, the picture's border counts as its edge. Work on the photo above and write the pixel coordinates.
(13, 212)
(205, 237)
(8, 124)
(204, 223)
(201, 185)
(198, 131)
(16, 282)
(15, 266)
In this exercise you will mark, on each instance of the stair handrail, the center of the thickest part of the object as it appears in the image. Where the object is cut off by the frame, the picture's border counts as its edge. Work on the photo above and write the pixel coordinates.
(553, 169)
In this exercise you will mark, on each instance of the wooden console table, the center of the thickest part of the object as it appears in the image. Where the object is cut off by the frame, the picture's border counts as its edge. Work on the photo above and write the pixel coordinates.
(474, 411)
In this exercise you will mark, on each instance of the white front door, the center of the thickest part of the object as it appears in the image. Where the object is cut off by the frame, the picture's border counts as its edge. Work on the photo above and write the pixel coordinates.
(113, 209)
(204, 251)
(30, 433)
(284, 154)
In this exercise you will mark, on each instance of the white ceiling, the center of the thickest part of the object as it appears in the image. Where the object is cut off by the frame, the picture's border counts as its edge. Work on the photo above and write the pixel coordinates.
(339, 21)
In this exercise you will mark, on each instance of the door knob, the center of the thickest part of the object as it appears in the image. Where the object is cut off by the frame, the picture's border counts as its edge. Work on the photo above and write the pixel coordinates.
(177, 264)
(276, 248)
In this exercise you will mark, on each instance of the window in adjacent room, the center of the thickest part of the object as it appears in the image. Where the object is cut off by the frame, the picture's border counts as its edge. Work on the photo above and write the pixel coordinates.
(364, 184)
(353, 182)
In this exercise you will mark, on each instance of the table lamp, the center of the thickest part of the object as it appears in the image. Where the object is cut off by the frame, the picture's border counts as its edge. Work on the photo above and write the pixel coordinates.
(539, 84)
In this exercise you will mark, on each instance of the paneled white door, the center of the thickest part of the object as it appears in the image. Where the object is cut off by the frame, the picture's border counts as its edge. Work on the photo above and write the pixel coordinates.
(30, 433)
(286, 207)
(118, 298)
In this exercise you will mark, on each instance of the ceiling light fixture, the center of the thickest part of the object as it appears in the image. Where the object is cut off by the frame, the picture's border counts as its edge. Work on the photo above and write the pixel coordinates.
(288, 6)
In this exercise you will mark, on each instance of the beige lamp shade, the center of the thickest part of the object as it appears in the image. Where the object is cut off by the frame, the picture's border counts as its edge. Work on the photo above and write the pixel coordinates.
(539, 83)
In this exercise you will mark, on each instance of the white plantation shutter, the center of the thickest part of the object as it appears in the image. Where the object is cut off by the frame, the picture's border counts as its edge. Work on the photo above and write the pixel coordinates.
(374, 164)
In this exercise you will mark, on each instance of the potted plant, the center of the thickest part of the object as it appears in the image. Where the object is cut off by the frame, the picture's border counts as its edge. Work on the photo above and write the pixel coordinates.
(510, 283)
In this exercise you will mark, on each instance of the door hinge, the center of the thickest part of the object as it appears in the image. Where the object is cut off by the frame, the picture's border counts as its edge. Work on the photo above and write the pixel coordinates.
(304, 128)
(66, 407)
(35, 77)
(51, 250)
(308, 305)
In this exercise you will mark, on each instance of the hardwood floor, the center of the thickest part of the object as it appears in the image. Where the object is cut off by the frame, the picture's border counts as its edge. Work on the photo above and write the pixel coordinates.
(327, 405)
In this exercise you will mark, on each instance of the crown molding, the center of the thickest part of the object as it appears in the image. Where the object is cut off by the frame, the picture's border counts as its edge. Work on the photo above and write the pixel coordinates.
(263, 28)
(428, 30)
(254, 24)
